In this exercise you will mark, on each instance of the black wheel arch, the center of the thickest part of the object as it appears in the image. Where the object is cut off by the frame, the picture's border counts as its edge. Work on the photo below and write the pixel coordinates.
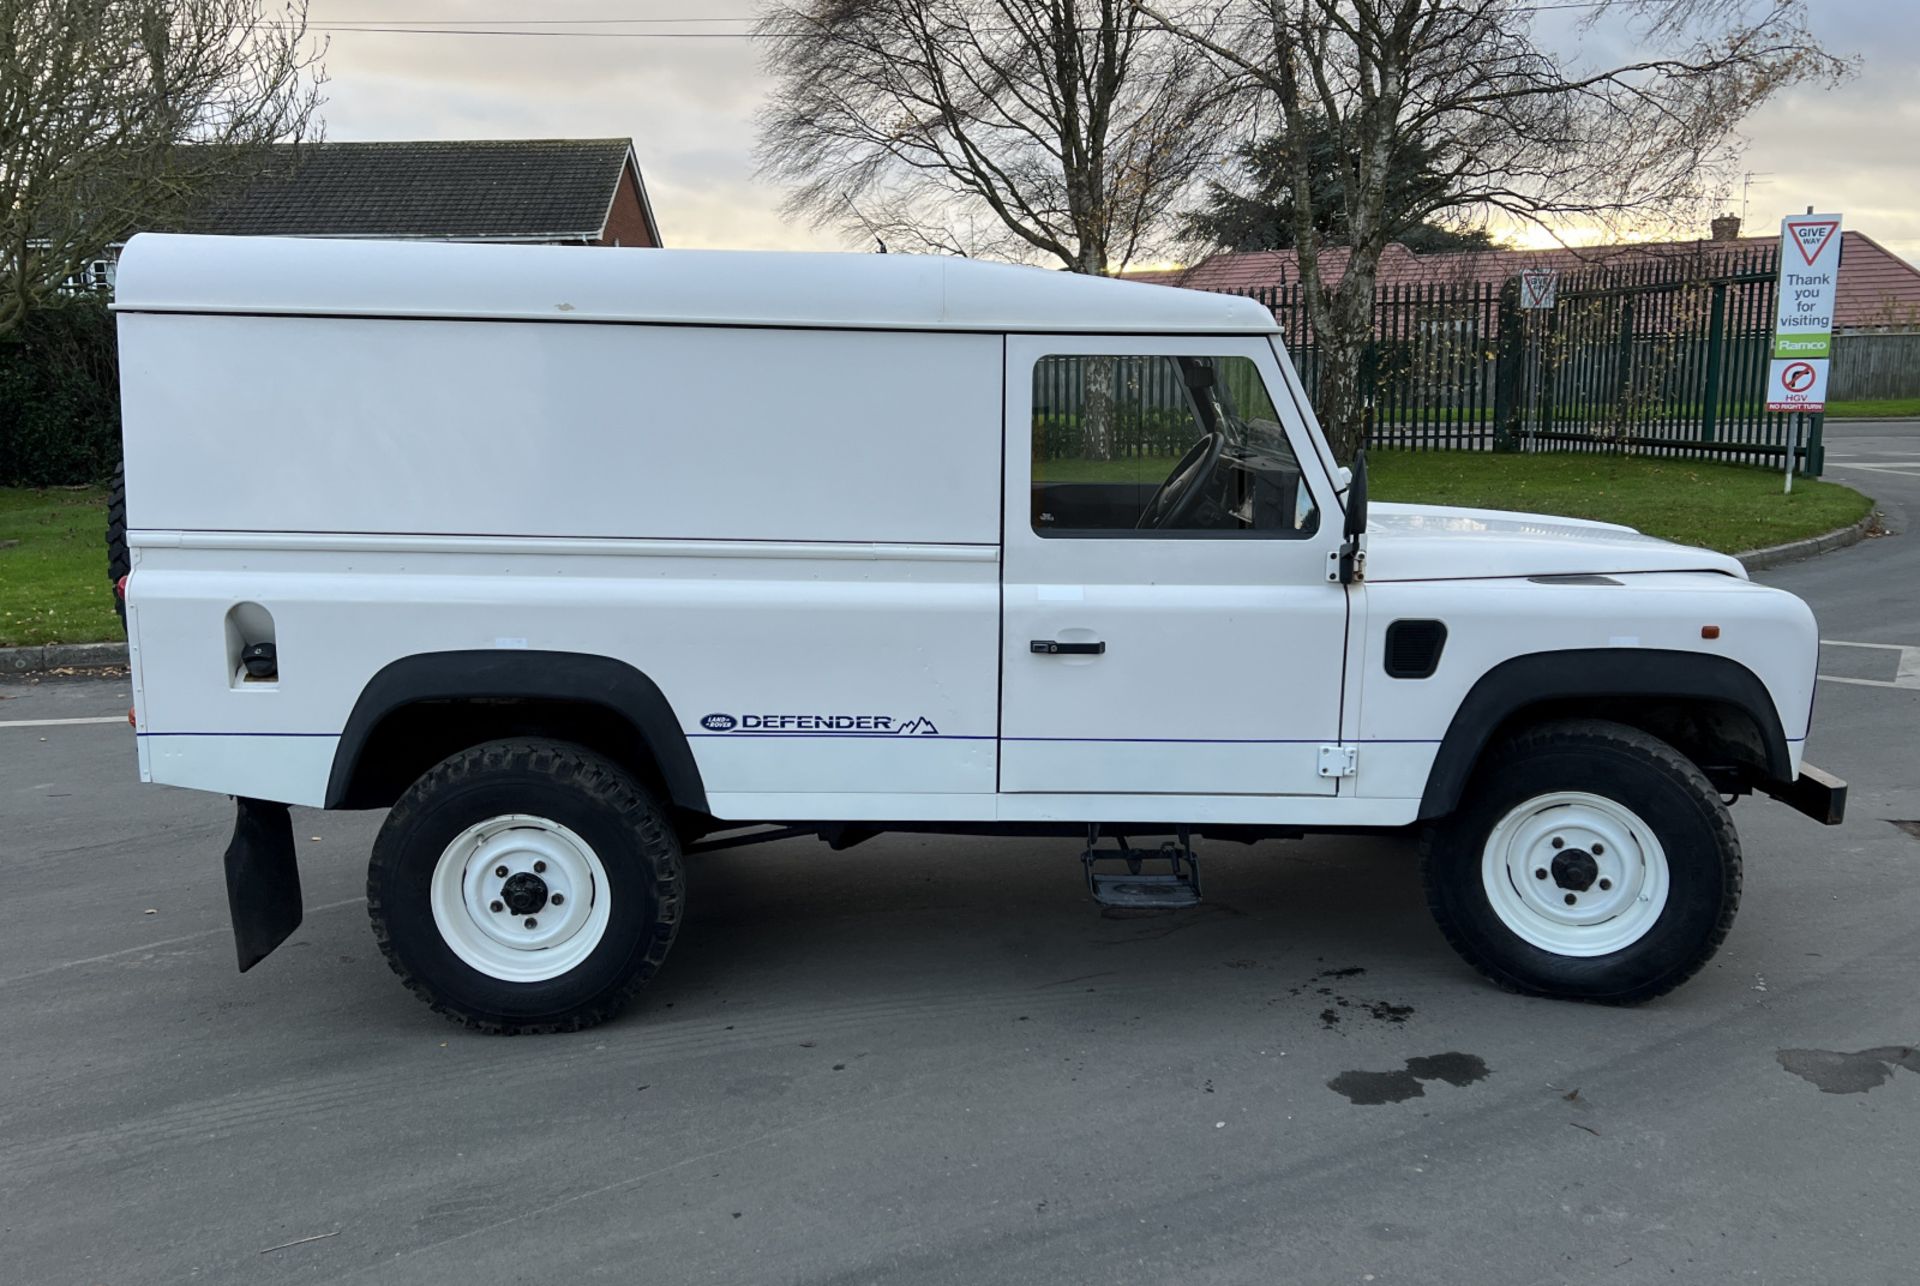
(1700, 702)
(420, 708)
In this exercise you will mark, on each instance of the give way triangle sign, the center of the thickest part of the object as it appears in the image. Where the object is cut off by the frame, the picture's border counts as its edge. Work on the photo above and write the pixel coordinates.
(1811, 236)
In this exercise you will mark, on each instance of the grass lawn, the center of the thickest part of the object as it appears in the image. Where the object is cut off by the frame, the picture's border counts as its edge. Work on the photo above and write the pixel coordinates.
(1133, 468)
(1729, 507)
(1886, 408)
(53, 584)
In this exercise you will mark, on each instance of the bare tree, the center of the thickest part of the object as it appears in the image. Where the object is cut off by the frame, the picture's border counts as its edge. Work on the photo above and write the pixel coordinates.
(1516, 125)
(1057, 130)
(118, 114)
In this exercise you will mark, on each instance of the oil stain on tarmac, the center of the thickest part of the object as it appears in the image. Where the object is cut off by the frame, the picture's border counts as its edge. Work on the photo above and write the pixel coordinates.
(1833, 1072)
(1330, 1018)
(1369, 1089)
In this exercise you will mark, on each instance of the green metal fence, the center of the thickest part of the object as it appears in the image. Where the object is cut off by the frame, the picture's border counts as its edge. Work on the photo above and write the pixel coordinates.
(1430, 367)
(1150, 411)
(1663, 357)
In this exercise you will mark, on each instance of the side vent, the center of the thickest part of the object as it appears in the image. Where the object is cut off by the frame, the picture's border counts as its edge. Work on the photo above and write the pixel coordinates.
(1413, 648)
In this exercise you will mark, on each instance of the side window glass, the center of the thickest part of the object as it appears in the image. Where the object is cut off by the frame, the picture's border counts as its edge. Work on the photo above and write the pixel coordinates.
(1168, 445)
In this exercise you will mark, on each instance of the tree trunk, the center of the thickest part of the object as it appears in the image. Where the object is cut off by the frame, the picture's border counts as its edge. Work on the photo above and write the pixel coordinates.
(1097, 407)
(1341, 394)
(1097, 413)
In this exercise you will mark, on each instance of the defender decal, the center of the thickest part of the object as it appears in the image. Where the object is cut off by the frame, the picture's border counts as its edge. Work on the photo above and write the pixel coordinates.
(834, 725)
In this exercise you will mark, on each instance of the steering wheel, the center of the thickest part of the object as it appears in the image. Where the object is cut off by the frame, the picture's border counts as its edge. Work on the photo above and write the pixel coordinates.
(1175, 497)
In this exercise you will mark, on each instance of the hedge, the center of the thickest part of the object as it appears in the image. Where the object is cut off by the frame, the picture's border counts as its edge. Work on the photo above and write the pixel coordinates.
(60, 397)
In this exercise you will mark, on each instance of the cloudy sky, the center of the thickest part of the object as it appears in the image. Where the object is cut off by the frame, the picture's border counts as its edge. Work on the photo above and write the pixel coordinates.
(688, 103)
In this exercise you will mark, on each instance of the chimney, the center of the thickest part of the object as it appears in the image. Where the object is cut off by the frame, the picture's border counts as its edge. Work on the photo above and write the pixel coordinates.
(1726, 228)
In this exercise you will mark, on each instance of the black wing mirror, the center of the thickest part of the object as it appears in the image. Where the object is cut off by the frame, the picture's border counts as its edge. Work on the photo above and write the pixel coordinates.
(1353, 560)
(1356, 497)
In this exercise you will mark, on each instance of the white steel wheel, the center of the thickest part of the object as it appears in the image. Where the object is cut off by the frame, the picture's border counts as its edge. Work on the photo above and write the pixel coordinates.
(1575, 874)
(520, 898)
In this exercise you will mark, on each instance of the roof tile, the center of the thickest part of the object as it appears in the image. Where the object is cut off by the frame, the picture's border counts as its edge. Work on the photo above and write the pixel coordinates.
(521, 188)
(1876, 287)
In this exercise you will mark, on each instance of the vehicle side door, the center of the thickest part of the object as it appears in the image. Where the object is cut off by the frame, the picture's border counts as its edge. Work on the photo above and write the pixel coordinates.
(1146, 651)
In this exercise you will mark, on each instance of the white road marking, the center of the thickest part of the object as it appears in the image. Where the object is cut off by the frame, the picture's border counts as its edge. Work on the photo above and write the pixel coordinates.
(1897, 470)
(158, 946)
(60, 723)
(1905, 675)
(1902, 464)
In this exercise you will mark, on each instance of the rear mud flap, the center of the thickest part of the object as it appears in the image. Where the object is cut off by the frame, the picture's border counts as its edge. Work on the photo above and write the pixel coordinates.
(263, 880)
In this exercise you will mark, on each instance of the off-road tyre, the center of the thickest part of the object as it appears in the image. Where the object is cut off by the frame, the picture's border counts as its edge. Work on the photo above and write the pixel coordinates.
(592, 796)
(1644, 774)
(119, 561)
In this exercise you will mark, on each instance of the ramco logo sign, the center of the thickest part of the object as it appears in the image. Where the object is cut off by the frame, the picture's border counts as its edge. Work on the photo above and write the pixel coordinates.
(820, 725)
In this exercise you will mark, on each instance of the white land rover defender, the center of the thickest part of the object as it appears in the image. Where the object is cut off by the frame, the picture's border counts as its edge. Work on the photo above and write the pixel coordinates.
(577, 562)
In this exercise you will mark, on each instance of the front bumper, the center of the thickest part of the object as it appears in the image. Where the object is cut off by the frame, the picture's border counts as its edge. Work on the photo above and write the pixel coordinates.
(1820, 795)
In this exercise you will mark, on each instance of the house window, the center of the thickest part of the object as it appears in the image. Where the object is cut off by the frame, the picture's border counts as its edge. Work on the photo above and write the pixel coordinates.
(94, 277)
(1172, 446)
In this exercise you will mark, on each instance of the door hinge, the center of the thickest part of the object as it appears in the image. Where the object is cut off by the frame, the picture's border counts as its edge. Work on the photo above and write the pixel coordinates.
(1339, 761)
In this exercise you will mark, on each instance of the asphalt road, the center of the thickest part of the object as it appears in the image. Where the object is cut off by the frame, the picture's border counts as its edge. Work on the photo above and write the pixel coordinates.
(934, 1061)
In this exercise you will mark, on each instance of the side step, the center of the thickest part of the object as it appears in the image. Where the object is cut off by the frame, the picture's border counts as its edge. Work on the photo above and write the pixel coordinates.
(1177, 886)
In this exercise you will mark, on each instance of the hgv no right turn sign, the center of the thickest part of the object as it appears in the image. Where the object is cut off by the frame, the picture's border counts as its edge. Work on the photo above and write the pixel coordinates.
(1797, 384)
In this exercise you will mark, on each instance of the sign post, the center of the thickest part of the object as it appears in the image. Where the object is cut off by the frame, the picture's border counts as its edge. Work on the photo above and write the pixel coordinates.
(1538, 288)
(1803, 321)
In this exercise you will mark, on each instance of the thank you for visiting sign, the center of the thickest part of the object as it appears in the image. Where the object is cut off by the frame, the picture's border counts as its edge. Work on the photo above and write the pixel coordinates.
(1803, 322)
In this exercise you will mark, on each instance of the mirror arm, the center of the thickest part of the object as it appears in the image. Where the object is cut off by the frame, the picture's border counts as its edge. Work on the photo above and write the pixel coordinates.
(1353, 561)
(1353, 550)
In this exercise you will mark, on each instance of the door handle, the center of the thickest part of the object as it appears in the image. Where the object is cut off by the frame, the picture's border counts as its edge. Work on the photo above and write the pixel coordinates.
(1047, 647)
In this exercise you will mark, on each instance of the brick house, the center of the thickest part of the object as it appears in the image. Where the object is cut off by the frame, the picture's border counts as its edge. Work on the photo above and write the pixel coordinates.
(1876, 304)
(1877, 290)
(586, 192)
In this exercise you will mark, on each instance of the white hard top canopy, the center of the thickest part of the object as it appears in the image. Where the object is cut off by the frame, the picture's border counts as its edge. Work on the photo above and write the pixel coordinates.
(281, 275)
